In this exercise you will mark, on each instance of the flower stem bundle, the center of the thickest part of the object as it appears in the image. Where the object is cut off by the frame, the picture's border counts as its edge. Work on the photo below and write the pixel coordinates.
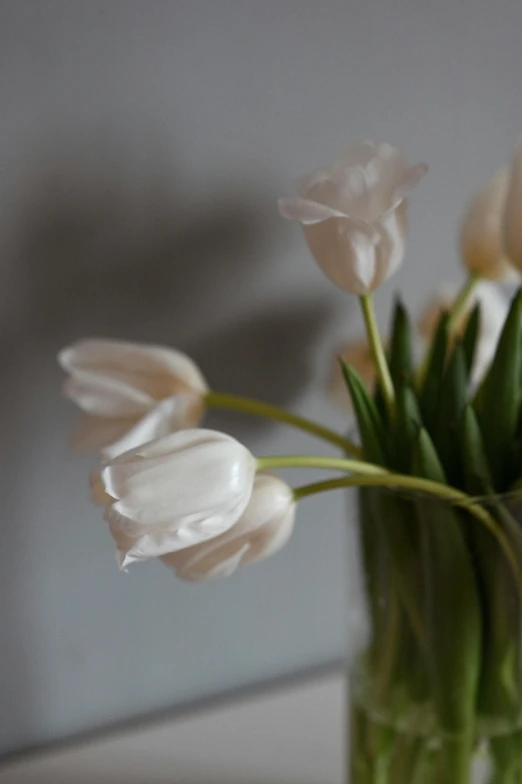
(437, 464)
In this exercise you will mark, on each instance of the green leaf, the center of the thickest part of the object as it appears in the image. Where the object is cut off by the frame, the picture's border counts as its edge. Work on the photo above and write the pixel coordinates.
(400, 354)
(499, 399)
(479, 482)
(398, 527)
(476, 473)
(432, 381)
(407, 426)
(452, 399)
(369, 420)
(470, 337)
(505, 750)
(426, 462)
(451, 600)
(380, 402)
(499, 595)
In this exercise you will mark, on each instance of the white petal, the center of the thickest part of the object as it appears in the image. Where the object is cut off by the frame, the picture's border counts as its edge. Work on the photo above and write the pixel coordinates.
(390, 249)
(353, 193)
(354, 218)
(99, 495)
(203, 563)
(308, 182)
(409, 179)
(105, 396)
(155, 544)
(262, 530)
(138, 357)
(167, 416)
(156, 371)
(344, 249)
(481, 238)
(305, 211)
(513, 212)
(194, 480)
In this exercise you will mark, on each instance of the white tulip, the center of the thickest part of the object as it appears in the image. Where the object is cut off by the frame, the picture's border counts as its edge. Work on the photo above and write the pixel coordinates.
(358, 354)
(354, 214)
(264, 528)
(513, 212)
(481, 234)
(131, 393)
(174, 492)
(493, 311)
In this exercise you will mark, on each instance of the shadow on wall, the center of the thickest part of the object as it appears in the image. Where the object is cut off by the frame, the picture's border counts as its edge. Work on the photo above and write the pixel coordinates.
(94, 260)
(95, 255)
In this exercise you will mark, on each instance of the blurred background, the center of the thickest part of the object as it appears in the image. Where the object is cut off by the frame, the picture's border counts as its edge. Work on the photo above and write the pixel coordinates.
(143, 144)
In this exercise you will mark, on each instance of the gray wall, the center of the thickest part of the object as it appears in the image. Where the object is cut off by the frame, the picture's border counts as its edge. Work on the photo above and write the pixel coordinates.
(142, 147)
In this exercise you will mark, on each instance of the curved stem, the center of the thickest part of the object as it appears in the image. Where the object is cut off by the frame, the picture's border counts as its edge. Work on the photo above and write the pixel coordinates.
(317, 461)
(461, 300)
(445, 492)
(259, 408)
(379, 356)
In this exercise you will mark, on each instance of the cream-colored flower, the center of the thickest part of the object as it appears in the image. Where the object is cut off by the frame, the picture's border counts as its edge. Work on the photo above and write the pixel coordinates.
(513, 212)
(481, 238)
(264, 528)
(493, 311)
(358, 354)
(130, 392)
(174, 492)
(354, 214)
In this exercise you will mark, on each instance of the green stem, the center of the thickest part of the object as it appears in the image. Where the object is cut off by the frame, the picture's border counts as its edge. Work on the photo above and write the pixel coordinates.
(461, 300)
(375, 477)
(379, 356)
(456, 756)
(388, 656)
(259, 408)
(459, 305)
(318, 461)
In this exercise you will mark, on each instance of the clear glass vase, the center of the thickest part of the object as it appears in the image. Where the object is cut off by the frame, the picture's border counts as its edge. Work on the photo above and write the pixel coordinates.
(436, 681)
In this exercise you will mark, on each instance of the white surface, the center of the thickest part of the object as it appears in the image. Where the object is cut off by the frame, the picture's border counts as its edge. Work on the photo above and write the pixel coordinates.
(143, 144)
(290, 736)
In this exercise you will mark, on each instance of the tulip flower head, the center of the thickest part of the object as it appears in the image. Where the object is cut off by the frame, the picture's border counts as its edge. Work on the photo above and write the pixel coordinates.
(481, 238)
(131, 393)
(264, 528)
(513, 212)
(174, 492)
(354, 214)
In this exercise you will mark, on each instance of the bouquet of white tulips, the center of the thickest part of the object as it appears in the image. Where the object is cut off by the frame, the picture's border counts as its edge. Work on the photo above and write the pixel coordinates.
(438, 462)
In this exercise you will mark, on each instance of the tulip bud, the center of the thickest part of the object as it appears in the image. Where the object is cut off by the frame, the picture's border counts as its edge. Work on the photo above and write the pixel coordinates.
(264, 528)
(481, 233)
(513, 212)
(131, 393)
(354, 214)
(174, 492)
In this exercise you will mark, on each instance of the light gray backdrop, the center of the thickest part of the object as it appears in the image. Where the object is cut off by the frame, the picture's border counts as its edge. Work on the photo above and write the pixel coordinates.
(142, 148)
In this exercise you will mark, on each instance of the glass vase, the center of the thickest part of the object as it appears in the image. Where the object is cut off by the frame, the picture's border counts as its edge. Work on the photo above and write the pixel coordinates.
(436, 680)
